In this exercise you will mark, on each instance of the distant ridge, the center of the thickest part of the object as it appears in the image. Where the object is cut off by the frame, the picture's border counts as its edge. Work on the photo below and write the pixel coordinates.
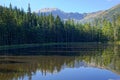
(82, 17)
(63, 15)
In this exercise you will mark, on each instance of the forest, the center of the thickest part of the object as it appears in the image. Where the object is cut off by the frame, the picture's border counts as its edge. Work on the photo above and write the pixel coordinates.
(20, 27)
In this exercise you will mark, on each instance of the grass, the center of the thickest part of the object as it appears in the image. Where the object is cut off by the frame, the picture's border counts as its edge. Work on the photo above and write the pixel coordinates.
(7, 47)
(118, 42)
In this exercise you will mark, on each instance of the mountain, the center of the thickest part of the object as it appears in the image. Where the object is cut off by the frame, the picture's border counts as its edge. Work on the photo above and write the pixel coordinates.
(82, 17)
(63, 15)
(106, 14)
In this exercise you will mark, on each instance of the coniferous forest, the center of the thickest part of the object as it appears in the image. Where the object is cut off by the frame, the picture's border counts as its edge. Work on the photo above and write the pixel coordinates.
(20, 27)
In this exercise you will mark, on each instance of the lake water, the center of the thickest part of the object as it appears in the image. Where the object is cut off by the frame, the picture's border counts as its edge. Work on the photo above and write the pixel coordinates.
(62, 62)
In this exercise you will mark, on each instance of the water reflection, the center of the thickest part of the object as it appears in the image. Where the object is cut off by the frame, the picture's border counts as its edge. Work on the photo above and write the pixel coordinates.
(102, 63)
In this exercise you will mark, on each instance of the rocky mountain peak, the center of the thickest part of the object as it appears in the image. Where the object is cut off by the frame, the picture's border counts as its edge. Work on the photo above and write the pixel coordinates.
(44, 10)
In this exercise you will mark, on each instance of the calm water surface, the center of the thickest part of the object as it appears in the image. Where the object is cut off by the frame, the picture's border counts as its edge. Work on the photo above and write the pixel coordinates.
(63, 62)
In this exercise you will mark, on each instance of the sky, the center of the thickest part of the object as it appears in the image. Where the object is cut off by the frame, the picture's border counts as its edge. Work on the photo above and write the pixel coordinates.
(81, 6)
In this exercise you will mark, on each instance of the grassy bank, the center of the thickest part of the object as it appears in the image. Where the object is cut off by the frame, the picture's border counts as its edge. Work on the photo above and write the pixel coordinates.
(6, 47)
(117, 42)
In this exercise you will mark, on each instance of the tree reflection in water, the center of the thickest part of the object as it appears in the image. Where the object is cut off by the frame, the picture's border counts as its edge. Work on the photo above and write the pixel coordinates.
(17, 67)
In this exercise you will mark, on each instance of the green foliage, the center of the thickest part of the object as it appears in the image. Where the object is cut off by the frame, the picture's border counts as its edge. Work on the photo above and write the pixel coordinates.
(19, 27)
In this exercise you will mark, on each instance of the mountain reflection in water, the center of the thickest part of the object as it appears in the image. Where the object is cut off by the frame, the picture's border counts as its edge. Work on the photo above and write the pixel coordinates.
(105, 58)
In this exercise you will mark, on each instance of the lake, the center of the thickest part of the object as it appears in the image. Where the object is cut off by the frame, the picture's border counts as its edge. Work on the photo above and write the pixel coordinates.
(76, 61)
